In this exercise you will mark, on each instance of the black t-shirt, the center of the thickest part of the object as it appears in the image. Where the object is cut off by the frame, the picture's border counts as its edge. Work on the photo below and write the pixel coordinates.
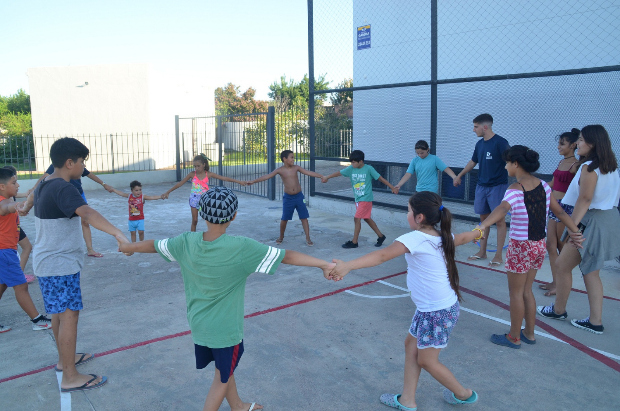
(77, 183)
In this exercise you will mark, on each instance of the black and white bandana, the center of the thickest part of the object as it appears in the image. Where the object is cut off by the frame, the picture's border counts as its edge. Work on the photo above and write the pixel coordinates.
(218, 205)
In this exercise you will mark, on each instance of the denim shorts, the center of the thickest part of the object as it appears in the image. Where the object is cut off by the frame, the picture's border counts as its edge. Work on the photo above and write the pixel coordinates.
(432, 329)
(11, 272)
(61, 292)
(226, 359)
(488, 198)
(136, 225)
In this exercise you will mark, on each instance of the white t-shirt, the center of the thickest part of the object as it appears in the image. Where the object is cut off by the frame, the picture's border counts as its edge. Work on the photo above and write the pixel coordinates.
(427, 275)
(606, 192)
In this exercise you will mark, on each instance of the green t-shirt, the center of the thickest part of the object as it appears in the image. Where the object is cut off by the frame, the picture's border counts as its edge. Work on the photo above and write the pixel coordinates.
(361, 180)
(214, 276)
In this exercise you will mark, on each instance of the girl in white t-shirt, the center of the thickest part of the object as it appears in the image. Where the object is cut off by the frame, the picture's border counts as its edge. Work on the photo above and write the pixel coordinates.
(433, 280)
(529, 200)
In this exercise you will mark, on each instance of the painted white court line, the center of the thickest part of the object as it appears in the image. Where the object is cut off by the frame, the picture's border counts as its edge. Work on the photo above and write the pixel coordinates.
(65, 397)
(542, 334)
(488, 317)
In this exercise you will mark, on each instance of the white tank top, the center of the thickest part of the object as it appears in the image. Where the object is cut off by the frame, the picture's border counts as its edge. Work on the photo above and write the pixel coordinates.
(606, 193)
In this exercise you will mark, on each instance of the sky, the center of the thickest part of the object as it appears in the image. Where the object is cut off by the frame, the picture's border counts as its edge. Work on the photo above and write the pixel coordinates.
(247, 42)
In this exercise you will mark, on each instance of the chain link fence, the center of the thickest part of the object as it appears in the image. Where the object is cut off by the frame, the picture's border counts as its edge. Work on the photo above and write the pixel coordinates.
(422, 70)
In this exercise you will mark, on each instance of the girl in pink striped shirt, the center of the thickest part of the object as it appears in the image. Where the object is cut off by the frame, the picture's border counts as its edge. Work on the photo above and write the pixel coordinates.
(528, 200)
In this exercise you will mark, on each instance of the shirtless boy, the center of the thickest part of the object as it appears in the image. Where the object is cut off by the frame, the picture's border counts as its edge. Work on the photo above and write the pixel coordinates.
(293, 198)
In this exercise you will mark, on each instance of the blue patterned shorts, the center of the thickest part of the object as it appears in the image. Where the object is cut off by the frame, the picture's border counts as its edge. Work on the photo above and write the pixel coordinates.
(61, 292)
(194, 199)
(568, 209)
(433, 328)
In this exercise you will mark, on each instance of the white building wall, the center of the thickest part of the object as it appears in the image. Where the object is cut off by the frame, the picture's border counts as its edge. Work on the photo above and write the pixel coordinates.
(135, 103)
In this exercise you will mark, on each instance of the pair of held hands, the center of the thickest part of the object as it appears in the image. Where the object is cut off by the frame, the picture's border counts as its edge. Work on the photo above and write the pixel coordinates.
(575, 238)
(336, 270)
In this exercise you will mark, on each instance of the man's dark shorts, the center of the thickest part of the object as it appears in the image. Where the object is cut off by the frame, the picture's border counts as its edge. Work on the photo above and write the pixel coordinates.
(488, 198)
(226, 359)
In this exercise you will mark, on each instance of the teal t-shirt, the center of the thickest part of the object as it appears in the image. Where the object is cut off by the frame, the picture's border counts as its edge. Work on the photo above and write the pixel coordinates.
(426, 172)
(214, 275)
(361, 180)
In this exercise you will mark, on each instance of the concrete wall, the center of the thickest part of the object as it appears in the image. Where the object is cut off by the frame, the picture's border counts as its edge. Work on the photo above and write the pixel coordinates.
(479, 38)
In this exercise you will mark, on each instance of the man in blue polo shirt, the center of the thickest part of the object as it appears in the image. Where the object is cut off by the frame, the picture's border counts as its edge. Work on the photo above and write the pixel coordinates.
(492, 181)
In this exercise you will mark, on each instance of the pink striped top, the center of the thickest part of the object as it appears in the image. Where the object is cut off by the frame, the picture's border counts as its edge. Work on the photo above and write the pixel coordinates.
(528, 221)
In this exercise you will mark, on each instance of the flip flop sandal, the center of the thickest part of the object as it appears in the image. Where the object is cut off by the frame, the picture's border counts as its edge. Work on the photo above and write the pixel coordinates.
(85, 387)
(475, 258)
(492, 263)
(391, 400)
(252, 406)
(451, 399)
(80, 361)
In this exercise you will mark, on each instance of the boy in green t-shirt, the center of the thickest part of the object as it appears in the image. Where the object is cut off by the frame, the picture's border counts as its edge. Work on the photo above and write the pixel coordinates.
(215, 267)
(361, 176)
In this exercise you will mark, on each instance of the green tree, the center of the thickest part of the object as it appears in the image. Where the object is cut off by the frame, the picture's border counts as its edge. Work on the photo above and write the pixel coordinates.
(230, 100)
(16, 144)
(288, 94)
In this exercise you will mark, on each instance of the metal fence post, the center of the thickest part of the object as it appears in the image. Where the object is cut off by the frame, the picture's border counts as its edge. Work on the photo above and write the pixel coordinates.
(220, 145)
(433, 76)
(271, 151)
(311, 131)
(178, 146)
(112, 150)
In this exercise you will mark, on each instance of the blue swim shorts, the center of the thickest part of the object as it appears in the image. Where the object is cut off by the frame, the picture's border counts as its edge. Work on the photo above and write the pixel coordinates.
(432, 329)
(136, 225)
(226, 359)
(11, 272)
(61, 292)
(488, 198)
(290, 203)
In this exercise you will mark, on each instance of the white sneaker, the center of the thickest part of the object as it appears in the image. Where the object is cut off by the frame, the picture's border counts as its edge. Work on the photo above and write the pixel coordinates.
(4, 328)
(41, 323)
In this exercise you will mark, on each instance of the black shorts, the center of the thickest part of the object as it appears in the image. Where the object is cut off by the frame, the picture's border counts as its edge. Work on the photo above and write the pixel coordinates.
(226, 359)
(22, 234)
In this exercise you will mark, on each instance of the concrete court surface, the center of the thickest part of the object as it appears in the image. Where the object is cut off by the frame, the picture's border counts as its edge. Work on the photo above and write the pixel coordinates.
(310, 344)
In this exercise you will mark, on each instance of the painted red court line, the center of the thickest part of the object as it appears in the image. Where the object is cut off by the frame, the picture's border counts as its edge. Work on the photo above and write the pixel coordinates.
(168, 337)
(558, 334)
(537, 281)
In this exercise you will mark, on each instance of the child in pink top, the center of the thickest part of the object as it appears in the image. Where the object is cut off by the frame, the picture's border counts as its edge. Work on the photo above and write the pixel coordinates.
(529, 201)
(200, 184)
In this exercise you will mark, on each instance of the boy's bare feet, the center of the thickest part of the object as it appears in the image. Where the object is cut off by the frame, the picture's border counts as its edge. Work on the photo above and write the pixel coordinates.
(93, 253)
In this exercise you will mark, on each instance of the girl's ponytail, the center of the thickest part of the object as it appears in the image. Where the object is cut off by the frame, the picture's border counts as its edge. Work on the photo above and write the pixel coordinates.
(449, 249)
(429, 205)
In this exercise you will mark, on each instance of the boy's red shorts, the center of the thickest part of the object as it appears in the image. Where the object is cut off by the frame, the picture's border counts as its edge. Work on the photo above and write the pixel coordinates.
(363, 209)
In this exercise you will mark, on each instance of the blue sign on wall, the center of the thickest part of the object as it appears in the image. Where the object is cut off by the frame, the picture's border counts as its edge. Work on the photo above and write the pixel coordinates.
(363, 37)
